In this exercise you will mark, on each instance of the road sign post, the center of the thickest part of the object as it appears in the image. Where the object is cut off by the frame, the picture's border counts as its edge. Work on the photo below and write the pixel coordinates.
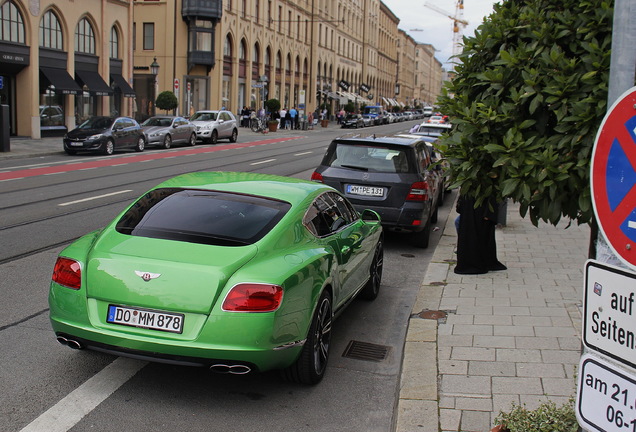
(613, 177)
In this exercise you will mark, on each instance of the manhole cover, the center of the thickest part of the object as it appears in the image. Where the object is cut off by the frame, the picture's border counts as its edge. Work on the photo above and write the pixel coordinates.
(366, 351)
(433, 315)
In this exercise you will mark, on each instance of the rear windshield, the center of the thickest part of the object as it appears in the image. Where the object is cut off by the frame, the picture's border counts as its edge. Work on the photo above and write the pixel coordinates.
(368, 158)
(202, 216)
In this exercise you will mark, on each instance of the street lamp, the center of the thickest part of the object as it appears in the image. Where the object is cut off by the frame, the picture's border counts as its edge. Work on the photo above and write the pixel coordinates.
(154, 70)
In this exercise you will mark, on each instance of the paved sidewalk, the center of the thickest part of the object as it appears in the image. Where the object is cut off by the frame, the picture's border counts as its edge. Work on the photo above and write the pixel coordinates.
(511, 336)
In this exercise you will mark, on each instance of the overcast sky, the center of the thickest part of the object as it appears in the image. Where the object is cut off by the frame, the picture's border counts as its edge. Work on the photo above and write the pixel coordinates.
(437, 29)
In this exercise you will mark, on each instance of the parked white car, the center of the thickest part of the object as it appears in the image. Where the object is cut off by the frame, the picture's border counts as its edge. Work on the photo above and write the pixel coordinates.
(215, 125)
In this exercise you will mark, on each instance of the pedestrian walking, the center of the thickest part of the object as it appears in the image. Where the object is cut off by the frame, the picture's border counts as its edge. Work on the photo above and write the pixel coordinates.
(293, 113)
(283, 120)
(288, 120)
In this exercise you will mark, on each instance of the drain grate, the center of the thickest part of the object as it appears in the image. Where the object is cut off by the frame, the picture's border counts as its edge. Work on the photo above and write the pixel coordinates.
(366, 351)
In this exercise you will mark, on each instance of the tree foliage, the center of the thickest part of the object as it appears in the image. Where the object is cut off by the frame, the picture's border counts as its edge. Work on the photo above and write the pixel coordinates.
(529, 94)
(167, 101)
(272, 105)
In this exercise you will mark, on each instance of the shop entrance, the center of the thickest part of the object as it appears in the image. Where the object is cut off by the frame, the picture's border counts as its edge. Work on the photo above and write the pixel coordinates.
(7, 97)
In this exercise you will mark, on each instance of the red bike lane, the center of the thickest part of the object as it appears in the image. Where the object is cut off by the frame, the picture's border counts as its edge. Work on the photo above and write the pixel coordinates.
(140, 157)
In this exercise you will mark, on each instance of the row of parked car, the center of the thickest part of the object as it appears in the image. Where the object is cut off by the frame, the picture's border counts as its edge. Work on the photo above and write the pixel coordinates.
(366, 120)
(106, 134)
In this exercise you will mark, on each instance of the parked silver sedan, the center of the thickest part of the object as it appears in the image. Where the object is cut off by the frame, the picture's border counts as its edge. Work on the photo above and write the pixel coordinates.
(165, 130)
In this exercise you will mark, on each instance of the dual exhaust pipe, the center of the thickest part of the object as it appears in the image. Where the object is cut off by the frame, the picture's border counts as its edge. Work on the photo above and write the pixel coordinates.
(71, 343)
(237, 369)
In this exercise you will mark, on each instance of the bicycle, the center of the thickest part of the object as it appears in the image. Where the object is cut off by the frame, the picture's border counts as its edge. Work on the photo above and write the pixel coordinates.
(258, 124)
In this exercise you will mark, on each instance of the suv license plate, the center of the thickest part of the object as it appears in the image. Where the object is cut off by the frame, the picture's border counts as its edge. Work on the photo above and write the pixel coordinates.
(145, 318)
(365, 190)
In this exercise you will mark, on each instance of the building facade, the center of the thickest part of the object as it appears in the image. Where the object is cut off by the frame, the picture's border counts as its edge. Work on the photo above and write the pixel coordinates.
(309, 54)
(64, 61)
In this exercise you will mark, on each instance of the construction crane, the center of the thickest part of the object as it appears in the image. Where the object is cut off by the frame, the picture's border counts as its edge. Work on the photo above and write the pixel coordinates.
(458, 23)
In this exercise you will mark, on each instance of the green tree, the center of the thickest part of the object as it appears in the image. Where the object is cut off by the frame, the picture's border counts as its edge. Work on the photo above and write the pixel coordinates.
(272, 105)
(166, 101)
(349, 107)
(528, 97)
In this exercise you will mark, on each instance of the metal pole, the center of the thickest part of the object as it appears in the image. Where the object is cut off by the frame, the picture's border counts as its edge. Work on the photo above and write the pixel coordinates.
(622, 75)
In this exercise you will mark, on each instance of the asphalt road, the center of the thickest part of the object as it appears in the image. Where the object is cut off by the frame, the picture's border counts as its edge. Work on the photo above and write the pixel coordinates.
(48, 387)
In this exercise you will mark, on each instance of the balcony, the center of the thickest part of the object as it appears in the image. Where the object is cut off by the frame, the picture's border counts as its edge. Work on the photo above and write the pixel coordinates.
(202, 9)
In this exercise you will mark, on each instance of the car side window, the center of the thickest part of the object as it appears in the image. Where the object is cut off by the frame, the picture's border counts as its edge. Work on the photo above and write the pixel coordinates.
(324, 217)
(119, 124)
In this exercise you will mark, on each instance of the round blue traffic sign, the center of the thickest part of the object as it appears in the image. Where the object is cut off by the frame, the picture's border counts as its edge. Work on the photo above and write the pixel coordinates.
(613, 177)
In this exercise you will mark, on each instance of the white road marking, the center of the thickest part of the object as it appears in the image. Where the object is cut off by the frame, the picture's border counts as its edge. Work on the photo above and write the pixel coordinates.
(303, 153)
(95, 197)
(80, 402)
(262, 162)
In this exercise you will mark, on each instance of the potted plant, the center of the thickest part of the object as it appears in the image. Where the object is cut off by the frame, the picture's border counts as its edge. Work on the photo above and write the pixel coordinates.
(324, 122)
(272, 106)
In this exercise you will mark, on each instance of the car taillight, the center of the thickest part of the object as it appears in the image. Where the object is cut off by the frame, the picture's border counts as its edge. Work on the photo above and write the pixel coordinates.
(253, 297)
(67, 272)
(317, 177)
(418, 192)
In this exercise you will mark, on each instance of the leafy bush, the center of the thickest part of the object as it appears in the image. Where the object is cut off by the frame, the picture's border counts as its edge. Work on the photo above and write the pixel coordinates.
(529, 94)
(167, 101)
(546, 418)
(272, 105)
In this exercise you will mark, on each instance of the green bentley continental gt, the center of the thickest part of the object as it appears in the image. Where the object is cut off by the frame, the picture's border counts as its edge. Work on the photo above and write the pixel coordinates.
(236, 272)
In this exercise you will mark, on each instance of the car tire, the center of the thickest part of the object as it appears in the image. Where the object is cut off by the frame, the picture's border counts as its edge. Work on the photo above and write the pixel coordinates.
(193, 140)
(372, 287)
(108, 148)
(420, 239)
(311, 364)
(167, 142)
(234, 136)
(141, 144)
(214, 137)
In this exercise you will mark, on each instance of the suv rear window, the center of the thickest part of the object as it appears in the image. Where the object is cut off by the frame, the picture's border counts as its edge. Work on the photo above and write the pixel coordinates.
(202, 216)
(370, 158)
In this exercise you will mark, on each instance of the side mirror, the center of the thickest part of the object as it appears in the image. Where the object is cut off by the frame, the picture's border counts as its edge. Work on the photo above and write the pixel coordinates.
(369, 216)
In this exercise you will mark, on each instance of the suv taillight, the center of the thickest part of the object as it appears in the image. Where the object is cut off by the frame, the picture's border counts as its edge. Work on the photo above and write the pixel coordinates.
(418, 192)
(253, 297)
(67, 272)
(317, 177)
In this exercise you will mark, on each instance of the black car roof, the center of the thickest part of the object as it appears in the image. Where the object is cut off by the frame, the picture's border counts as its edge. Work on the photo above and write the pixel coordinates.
(407, 141)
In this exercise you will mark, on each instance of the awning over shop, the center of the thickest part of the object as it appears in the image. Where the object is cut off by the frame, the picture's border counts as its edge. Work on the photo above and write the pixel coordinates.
(386, 101)
(121, 85)
(96, 85)
(60, 80)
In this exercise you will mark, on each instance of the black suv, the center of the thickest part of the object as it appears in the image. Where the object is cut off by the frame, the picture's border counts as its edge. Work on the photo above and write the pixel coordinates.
(394, 176)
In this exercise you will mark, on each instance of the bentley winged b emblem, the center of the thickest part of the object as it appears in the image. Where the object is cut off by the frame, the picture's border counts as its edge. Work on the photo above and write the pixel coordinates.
(147, 276)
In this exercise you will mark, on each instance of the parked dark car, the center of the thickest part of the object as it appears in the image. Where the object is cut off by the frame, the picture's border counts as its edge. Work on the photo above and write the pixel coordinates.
(164, 131)
(353, 121)
(105, 135)
(394, 176)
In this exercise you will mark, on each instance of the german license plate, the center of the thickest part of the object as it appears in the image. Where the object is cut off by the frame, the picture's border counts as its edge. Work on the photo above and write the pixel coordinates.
(76, 143)
(145, 318)
(365, 190)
